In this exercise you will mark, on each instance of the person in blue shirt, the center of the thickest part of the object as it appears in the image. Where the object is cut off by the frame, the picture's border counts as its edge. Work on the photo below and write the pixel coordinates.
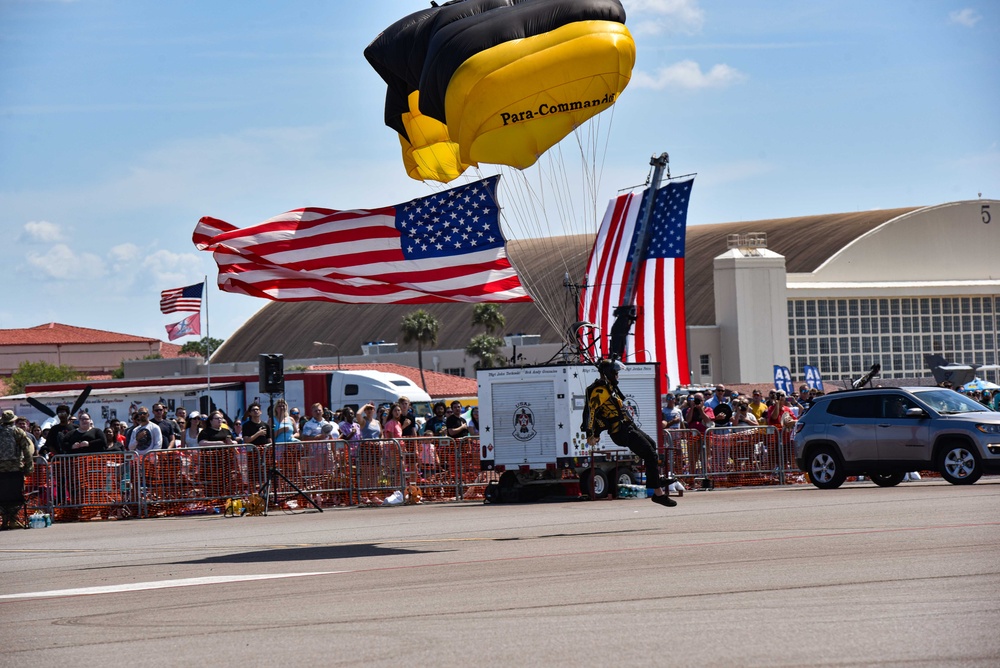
(718, 397)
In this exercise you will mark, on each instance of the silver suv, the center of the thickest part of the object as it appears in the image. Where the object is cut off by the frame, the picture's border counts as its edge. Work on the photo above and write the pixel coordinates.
(885, 432)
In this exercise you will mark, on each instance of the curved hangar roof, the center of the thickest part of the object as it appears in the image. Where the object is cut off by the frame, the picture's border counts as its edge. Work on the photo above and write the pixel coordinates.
(291, 327)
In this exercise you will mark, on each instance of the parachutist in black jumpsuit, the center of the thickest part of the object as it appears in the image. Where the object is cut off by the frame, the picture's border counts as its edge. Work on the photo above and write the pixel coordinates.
(605, 411)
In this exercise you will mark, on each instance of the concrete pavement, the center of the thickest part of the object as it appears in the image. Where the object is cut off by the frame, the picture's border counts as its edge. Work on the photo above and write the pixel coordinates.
(760, 577)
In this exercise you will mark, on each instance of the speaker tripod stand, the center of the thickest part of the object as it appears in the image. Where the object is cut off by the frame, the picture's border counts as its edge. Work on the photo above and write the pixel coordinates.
(274, 474)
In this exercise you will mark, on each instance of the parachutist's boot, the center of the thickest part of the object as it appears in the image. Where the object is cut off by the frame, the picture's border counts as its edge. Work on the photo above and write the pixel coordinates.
(663, 500)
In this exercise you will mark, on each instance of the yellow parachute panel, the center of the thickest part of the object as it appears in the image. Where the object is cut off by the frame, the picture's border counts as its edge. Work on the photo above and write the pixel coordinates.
(430, 153)
(409, 164)
(512, 102)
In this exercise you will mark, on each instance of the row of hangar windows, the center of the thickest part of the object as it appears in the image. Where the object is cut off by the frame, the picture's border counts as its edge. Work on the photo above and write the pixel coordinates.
(844, 337)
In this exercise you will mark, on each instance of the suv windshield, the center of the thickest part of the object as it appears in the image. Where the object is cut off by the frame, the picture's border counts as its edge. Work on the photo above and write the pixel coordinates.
(949, 401)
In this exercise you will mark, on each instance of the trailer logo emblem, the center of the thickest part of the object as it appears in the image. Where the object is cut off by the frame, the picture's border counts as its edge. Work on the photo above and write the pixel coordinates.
(524, 422)
(632, 408)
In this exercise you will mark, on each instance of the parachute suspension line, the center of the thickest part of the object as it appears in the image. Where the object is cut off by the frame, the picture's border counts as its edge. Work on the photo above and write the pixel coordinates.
(568, 196)
(570, 203)
(589, 174)
(530, 209)
(555, 198)
(535, 218)
(599, 163)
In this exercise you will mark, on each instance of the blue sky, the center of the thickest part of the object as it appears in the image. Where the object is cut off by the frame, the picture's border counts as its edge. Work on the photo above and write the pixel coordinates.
(123, 122)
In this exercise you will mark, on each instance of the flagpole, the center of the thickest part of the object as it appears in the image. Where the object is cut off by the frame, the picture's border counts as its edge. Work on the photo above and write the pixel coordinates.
(625, 314)
(208, 351)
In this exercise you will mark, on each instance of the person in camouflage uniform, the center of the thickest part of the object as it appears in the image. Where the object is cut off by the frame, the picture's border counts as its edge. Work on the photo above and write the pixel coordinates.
(605, 411)
(17, 459)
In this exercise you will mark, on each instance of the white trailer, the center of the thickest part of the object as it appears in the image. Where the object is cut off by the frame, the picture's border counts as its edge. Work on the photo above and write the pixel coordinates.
(530, 427)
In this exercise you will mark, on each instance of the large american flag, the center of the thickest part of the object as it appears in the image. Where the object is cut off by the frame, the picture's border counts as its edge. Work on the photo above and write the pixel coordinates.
(443, 248)
(181, 299)
(659, 334)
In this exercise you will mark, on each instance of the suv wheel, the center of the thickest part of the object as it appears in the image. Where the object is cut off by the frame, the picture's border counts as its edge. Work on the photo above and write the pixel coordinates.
(887, 479)
(959, 465)
(825, 470)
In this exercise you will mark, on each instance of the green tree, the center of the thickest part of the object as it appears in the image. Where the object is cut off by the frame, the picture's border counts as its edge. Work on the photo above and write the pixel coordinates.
(489, 317)
(40, 372)
(422, 327)
(487, 348)
(204, 348)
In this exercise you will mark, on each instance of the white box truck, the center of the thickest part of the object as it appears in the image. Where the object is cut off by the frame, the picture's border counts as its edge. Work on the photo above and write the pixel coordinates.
(530, 428)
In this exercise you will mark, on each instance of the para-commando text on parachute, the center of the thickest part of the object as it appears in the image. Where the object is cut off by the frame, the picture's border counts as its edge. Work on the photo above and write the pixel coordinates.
(548, 109)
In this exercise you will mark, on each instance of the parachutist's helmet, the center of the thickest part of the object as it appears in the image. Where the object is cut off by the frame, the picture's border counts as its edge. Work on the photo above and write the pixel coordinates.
(609, 368)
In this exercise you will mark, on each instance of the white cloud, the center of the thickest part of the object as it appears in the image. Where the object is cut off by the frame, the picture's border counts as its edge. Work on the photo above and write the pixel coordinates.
(126, 252)
(659, 16)
(967, 17)
(173, 270)
(43, 231)
(687, 74)
(63, 263)
(132, 265)
(127, 263)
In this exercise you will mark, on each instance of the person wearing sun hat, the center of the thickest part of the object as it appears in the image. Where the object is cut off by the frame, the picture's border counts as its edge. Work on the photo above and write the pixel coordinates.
(16, 461)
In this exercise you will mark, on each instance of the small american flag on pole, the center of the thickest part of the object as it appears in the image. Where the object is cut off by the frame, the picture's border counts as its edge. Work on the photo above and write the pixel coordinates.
(181, 299)
(443, 248)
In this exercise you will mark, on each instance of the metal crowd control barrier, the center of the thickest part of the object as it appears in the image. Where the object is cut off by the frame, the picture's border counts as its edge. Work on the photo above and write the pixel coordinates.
(91, 486)
(685, 454)
(433, 465)
(731, 456)
(38, 488)
(321, 469)
(200, 480)
(745, 455)
(377, 466)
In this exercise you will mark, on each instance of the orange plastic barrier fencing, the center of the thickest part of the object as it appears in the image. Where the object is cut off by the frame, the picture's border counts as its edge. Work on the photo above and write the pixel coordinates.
(198, 480)
(684, 453)
(91, 486)
(38, 488)
(739, 456)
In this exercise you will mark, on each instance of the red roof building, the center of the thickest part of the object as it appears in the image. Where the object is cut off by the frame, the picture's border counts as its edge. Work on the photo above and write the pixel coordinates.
(90, 351)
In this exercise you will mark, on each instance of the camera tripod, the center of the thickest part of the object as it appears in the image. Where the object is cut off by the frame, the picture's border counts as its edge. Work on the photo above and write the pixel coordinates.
(274, 473)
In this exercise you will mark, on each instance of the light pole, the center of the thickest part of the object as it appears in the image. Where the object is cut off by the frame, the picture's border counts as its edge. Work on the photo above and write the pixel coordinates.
(333, 345)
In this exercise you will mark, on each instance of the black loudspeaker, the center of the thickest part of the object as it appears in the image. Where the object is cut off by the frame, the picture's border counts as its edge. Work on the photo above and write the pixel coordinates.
(272, 373)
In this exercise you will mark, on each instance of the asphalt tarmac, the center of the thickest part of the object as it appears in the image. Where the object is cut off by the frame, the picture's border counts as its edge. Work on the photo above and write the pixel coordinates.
(791, 576)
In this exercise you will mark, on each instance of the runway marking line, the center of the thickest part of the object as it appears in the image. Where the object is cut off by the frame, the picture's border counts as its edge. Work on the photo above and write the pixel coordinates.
(161, 584)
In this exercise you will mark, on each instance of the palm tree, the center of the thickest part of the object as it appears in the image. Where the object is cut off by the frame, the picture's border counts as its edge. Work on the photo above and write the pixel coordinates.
(487, 349)
(489, 317)
(485, 346)
(422, 327)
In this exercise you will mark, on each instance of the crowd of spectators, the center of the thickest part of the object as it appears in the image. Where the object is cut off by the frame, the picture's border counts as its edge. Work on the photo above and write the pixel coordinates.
(733, 409)
(722, 408)
(154, 429)
(988, 398)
